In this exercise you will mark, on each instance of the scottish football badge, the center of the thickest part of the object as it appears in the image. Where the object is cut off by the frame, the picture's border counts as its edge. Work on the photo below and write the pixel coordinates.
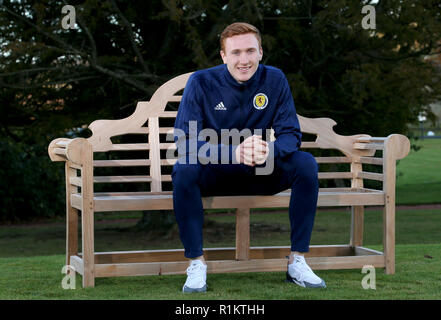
(260, 101)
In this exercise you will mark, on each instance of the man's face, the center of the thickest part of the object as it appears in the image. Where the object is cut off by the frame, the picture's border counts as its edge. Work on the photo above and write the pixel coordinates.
(242, 55)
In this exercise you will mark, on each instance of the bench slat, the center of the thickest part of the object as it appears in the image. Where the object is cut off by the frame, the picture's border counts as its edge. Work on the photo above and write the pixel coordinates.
(168, 114)
(226, 266)
(167, 178)
(371, 139)
(318, 159)
(127, 179)
(287, 192)
(226, 253)
(335, 175)
(131, 193)
(304, 145)
(121, 163)
(368, 146)
(165, 201)
(170, 145)
(62, 143)
(167, 130)
(60, 152)
(370, 176)
(168, 162)
(115, 179)
(129, 146)
(333, 160)
(75, 181)
(370, 160)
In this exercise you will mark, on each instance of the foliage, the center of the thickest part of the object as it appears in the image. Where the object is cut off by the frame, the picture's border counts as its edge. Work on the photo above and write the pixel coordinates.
(54, 81)
(30, 187)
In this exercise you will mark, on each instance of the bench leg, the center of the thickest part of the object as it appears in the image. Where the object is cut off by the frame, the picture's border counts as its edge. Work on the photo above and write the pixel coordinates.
(88, 249)
(243, 234)
(71, 235)
(357, 225)
(87, 216)
(71, 218)
(389, 236)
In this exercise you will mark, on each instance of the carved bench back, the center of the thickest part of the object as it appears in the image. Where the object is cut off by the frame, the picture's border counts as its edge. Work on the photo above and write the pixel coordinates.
(153, 120)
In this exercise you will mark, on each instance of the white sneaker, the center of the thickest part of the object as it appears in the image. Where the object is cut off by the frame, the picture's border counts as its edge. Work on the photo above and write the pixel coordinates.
(300, 273)
(196, 277)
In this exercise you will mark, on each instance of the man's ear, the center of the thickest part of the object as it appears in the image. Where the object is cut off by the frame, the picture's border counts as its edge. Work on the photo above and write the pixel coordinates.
(223, 56)
(261, 53)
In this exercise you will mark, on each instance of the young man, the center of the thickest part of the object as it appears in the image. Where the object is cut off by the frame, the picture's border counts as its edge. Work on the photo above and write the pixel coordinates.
(241, 94)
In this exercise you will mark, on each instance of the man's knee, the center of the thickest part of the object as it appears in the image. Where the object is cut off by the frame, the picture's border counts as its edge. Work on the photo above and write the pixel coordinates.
(303, 164)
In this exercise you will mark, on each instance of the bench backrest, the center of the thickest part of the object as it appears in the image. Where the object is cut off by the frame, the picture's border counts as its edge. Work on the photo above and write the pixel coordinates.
(154, 119)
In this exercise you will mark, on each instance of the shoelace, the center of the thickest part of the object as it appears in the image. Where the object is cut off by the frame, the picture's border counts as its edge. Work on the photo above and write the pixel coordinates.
(302, 265)
(192, 269)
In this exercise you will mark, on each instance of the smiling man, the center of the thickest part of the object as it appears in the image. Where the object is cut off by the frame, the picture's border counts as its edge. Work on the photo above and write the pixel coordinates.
(239, 95)
(241, 53)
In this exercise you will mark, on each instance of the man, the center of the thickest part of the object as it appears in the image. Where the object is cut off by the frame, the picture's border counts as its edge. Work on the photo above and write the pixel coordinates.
(242, 94)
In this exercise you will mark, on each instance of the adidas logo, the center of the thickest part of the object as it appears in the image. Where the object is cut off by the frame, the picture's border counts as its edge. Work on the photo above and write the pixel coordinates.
(220, 106)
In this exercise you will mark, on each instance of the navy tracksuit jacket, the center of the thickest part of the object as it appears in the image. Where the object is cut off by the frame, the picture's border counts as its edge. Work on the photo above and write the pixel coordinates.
(213, 99)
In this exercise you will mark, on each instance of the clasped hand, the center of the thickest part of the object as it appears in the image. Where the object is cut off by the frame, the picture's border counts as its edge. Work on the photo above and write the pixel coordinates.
(253, 150)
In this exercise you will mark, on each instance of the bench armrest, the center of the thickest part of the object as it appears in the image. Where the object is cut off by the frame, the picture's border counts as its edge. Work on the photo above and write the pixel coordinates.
(77, 150)
(397, 146)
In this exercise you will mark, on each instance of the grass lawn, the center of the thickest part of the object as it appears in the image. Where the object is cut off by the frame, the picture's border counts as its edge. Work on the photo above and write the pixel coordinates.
(40, 277)
(419, 174)
(330, 227)
(32, 255)
(34, 271)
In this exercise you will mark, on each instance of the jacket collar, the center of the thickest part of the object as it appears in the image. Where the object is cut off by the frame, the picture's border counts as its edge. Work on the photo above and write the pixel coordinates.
(233, 82)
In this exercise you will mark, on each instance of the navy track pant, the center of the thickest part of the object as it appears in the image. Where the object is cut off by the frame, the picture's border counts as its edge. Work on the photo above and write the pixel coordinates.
(297, 171)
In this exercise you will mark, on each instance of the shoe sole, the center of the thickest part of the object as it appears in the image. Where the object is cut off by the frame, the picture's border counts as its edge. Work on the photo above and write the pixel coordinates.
(186, 289)
(304, 284)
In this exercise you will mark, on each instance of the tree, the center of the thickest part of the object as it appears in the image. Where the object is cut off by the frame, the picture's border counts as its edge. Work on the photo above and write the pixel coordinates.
(55, 81)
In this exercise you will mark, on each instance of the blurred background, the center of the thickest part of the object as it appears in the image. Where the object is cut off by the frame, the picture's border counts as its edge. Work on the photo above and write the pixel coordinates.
(54, 80)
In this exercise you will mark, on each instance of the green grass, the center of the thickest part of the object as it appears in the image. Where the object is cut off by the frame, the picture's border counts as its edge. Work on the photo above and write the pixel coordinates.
(35, 271)
(330, 227)
(32, 255)
(419, 174)
(40, 277)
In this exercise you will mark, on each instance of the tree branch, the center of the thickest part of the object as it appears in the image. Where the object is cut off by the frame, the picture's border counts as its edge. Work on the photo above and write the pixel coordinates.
(46, 34)
(88, 34)
(40, 84)
(425, 51)
(9, 74)
(129, 31)
(123, 77)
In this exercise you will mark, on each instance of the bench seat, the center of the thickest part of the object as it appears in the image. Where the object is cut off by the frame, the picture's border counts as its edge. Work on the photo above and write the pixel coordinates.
(128, 201)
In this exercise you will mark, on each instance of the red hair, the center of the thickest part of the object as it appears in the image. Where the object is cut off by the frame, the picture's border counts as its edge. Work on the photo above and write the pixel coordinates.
(238, 28)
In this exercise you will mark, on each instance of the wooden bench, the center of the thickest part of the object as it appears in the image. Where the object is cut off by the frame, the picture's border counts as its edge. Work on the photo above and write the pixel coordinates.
(149, 124)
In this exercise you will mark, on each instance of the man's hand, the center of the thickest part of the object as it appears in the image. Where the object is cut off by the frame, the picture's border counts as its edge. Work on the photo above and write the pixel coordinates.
(253, 150)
